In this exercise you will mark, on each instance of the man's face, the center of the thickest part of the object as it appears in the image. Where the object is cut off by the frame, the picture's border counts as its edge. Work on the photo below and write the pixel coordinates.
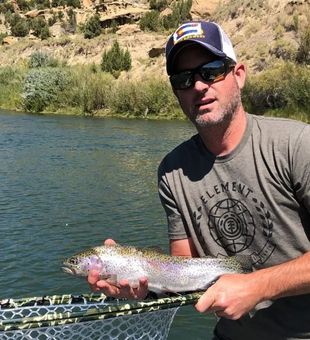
(206, 103)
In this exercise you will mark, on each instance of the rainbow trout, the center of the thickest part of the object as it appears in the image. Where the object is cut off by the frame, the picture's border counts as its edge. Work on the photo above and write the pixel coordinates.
(164, 273)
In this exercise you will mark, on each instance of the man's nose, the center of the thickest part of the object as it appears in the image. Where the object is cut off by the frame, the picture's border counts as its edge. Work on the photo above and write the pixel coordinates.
(200, 84)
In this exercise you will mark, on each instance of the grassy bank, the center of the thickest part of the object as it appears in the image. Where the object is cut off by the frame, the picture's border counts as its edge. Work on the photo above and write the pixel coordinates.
(283, 90)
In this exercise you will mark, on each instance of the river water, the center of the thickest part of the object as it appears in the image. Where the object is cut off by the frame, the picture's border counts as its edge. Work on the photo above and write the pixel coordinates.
(66, 184)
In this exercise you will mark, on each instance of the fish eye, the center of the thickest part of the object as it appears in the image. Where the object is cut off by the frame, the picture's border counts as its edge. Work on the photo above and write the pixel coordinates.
(73, 260)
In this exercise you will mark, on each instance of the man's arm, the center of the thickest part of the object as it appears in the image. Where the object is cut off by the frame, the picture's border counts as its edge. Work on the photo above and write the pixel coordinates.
(234, 295)
(183, 247)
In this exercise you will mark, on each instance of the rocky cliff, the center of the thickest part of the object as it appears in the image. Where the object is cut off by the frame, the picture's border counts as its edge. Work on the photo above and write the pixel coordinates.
(261, 30)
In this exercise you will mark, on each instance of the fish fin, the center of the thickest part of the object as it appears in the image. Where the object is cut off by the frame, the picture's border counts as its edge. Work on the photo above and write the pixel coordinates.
(245, 262)
(166, 291)
(158, 290)
(155, 249)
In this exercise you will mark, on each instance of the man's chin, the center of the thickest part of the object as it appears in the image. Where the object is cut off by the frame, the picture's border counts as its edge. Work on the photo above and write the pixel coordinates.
(203, 119)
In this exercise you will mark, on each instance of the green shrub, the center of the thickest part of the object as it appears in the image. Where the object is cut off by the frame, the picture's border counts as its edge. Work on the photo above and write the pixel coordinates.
(2, 36)
(126, 60)
(72, 20)
(154, 98)
(52, 20)
(92, 27)
(303, 52)
(113, 26)
(158, 5)
(23, 5)
(60, 16)
(283, 49)
(6, 7)
(283, 86)
(40, 28)
(57, 3)
(38, 59)
(42, 59)
(11, 79)
(150, 21)
(180, 13)
(43, 87)
(8, 75)
(89, 93)
(74, 3)
(42, 4)
(19, 26)
(227, 10)
(115, 60)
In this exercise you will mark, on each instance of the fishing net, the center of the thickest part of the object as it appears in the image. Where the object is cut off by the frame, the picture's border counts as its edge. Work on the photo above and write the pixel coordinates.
(89, 316)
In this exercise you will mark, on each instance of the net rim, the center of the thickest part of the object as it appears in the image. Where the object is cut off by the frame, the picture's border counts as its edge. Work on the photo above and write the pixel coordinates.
(110, 308)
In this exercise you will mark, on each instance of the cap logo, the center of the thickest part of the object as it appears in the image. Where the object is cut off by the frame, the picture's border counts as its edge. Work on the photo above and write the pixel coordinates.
(188, 31)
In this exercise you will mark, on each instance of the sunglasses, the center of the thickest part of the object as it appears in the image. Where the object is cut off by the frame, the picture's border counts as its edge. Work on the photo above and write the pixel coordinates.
(211, 72)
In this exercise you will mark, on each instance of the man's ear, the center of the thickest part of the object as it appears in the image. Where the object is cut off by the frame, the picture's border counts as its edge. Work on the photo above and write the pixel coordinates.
(240, 74)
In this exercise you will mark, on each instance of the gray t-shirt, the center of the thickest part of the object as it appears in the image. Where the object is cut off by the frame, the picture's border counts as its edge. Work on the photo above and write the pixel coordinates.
(254, 201)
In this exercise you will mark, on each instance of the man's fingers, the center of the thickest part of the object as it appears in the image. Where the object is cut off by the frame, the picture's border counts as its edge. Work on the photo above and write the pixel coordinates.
(108, 289)
(93, 277)
(143, 282)
(131, 291)
(143, 285)
(122, 290)
(143, 288)
(205, 302)
(109, 242)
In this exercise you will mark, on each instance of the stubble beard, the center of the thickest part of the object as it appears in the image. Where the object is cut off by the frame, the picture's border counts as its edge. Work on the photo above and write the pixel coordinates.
(224, 114)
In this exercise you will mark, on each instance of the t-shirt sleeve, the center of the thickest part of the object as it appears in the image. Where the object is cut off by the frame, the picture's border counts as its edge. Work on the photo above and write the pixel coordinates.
(176, 225)
(301, 168)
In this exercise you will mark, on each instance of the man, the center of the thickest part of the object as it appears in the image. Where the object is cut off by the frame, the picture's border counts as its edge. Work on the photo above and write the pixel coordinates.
(241, 186)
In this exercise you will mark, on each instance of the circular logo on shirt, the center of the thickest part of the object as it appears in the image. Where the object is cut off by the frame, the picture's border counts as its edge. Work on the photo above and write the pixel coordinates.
(231, 225)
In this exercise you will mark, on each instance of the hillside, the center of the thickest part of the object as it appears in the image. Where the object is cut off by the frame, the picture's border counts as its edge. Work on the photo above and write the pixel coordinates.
(261, 30)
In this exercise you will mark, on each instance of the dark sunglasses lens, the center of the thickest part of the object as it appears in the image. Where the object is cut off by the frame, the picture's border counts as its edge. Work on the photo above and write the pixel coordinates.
(210, 71)
(182, 80)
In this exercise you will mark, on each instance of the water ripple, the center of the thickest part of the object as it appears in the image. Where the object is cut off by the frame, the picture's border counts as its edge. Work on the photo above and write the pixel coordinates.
(68, 183)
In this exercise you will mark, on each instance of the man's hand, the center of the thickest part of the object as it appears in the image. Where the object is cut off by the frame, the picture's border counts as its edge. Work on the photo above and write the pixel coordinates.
(231, 296)
(123, 290)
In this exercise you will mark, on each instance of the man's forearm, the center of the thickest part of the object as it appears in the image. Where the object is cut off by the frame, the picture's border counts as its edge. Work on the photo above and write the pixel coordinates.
(286, 279)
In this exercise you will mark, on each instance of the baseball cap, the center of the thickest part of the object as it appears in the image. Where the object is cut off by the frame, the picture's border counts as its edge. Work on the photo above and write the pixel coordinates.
(208, 34)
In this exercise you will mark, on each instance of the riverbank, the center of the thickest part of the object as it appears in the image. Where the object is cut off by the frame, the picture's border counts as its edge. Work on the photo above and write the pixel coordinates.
(281, 90)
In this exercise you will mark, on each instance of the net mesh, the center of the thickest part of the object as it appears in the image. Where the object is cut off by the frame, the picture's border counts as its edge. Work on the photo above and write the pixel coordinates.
(89, 317)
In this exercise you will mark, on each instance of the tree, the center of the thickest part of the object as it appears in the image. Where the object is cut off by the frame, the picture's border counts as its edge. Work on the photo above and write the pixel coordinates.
(116, 60)
(23, 5)
(40, 28)
(180, 13)
(19, 26)
(127, 60)
(150, 21)
(74, 3)
(42, 4)
(92, 27)
(158, 5)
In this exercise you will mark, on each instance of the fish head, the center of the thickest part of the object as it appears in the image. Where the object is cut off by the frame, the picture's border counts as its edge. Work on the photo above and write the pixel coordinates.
(81, 264)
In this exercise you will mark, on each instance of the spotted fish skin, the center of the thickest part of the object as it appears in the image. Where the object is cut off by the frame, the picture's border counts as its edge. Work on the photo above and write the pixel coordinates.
(165, 273)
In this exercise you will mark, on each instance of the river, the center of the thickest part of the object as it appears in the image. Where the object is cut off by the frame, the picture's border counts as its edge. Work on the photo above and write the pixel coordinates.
(67, 183)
